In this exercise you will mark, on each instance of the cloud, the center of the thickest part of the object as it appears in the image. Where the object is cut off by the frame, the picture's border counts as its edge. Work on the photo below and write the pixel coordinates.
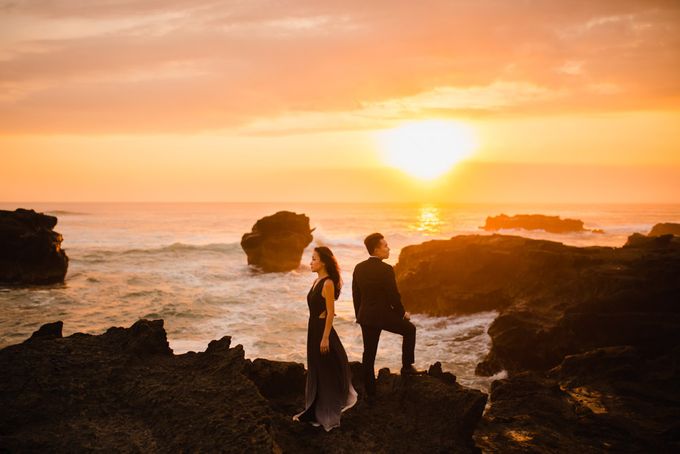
(181, 66)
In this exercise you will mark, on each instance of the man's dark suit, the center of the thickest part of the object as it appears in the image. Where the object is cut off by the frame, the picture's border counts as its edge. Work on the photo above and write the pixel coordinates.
(377, 306)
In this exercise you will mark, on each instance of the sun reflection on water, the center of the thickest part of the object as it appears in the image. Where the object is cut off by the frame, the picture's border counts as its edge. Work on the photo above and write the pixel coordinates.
(429, 221)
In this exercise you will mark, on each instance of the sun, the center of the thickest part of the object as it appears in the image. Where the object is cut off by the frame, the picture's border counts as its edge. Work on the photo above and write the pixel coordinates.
(427, 149)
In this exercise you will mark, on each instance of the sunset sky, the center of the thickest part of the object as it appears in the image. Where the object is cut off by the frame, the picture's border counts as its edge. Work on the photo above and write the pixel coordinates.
(178, 100)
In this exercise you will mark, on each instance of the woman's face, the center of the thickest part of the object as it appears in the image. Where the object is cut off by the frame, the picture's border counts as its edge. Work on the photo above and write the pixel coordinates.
(316, 264)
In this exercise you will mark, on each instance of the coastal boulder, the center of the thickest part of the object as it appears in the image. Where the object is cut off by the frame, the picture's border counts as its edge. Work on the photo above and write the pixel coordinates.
(30, 250)
(665, 228)
(552, 224)
(276, 242)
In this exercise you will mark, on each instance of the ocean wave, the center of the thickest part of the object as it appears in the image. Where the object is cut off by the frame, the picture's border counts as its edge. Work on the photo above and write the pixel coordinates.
(183, 247)
(221, 248)
(145, 293)
(66, 213)
(337, 242)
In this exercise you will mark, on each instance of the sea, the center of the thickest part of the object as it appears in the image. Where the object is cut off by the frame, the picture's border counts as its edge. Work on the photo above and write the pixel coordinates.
(183, 263)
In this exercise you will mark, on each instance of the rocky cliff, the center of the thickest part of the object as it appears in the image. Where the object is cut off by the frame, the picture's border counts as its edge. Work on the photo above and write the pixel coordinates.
(589, 337)
(125, 390)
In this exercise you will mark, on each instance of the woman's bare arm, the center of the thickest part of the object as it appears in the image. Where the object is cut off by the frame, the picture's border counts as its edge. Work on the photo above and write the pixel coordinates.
(328, 293)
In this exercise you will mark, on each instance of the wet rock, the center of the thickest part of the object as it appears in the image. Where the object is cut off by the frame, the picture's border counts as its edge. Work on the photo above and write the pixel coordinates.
(30, 250)
(552, 224)
(124, 390)
(530, 413)
(613, 399)
(276, 242)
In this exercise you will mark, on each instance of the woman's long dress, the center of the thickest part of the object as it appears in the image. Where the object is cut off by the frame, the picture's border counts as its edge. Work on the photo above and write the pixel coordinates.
(329, 389)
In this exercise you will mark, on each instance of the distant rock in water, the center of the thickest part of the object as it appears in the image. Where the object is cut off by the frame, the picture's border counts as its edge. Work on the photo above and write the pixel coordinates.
(665, 228)
(276, 242)
(587, 335)
(30, 250)
(551, 224)
(125, 391)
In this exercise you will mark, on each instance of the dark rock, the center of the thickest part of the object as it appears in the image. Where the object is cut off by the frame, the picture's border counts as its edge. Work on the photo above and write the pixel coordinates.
(552, 224)
(436, 371)
(219, 346)
(277, 242)
(409, 414)
(661, 241)
(529, 413)
(30, 251)
(84, 393)
(275, 378)
(612, 399)
(473, 273)
(47, 331)
(124, 390)
(665, 228)
(147, 337)
(554, 300)
(588, 337)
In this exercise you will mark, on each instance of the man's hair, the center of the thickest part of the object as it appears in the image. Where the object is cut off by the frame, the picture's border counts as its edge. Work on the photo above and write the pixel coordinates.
(372, 241)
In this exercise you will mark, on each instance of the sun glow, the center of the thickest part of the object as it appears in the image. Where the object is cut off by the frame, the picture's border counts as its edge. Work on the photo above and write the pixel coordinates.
(427, 149)
(429, 221)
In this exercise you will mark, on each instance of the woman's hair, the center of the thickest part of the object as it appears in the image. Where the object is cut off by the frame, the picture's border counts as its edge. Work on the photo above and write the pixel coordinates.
(332, 267)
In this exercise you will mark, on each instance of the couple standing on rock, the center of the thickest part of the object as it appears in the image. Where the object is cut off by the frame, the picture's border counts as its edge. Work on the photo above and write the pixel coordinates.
(377, 306)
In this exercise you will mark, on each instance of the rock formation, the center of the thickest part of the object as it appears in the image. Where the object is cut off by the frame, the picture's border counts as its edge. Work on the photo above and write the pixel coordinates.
(276, 242)
(30, 251)
(124, 390)
(552, 224)
(665, 228)
(588, 337)
(473, 273)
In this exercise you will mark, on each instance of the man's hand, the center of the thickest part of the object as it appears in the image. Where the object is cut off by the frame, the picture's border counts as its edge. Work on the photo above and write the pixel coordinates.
(407, 316)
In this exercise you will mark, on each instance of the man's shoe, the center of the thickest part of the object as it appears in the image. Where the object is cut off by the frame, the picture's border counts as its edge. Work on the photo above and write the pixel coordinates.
(410, 370)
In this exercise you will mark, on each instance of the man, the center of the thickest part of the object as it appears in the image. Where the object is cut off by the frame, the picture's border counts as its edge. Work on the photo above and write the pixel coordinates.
(377, 306)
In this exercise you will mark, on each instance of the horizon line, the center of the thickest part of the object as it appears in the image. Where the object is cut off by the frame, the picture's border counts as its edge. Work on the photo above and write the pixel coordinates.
(199, 202)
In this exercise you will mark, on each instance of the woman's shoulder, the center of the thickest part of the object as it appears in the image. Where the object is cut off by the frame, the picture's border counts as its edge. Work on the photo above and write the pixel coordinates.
(328, 283)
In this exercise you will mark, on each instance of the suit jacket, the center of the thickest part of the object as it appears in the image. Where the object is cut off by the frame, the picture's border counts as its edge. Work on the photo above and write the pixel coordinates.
(375, 294)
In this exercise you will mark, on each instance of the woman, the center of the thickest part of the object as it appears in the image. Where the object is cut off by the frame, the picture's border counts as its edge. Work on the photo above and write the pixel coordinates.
(329, 389)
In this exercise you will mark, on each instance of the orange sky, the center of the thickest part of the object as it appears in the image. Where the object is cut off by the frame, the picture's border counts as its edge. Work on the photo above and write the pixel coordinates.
(181, 100)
